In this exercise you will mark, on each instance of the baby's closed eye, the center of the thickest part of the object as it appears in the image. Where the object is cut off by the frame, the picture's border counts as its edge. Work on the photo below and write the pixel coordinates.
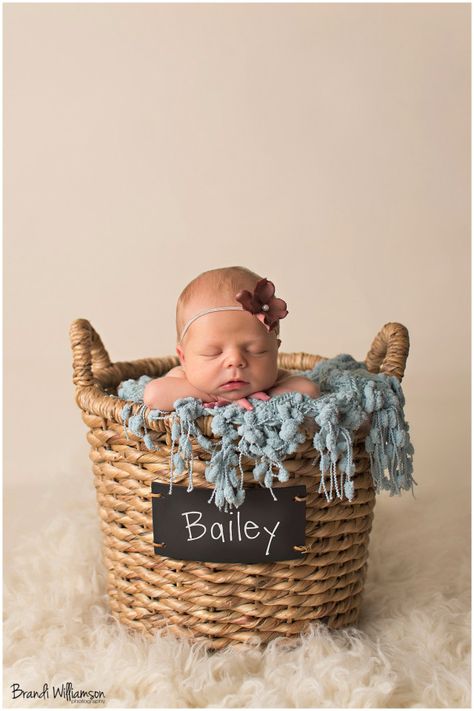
(214, 354)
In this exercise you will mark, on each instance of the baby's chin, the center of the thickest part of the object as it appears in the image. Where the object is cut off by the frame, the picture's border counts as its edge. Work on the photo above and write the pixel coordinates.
(233, 395)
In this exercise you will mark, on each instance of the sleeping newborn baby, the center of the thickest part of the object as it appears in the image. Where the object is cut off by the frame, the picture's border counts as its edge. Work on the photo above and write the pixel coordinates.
(227, 323)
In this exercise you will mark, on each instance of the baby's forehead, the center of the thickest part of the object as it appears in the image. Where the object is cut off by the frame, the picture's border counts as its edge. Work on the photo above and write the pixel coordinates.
(232, 326)
(205, 298)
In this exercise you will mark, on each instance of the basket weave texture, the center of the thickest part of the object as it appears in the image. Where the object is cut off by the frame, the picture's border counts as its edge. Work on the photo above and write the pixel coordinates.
(226, 603)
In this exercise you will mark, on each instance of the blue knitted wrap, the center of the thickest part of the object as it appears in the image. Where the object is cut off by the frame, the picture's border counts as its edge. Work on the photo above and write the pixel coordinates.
(273, 430)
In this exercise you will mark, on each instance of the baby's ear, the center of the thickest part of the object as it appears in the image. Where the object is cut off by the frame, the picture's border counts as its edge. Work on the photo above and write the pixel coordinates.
(180, 353)
(278, 342)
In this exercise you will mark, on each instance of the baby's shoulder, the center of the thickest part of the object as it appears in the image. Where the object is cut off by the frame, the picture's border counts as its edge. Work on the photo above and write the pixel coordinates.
(176, 372)
(283, 375)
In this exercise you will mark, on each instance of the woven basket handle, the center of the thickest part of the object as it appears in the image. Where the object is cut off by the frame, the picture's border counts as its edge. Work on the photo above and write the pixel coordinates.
(88, 353)
(389, 351)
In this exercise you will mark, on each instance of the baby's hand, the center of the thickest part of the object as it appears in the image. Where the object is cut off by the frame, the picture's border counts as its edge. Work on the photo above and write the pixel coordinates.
(216, 403)
(243, 402)
(259, 395)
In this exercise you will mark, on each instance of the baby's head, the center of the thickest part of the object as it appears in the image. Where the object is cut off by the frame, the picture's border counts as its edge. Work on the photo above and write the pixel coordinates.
(225, 345)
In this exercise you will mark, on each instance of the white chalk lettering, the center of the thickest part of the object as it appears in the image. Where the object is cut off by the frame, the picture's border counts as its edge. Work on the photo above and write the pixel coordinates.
(194, 523)
(238, 525)
(225, 532)
(272, 536)
(251, 524)
(220, 534)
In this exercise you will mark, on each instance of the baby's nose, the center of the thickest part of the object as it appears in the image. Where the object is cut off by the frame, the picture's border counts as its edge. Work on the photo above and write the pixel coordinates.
(236, 358)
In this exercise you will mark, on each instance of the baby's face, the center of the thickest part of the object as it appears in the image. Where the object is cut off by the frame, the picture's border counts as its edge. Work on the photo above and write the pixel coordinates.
(229, 346)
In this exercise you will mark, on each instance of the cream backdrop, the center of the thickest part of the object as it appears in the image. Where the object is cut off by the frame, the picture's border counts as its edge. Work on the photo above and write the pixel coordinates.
(324, 146)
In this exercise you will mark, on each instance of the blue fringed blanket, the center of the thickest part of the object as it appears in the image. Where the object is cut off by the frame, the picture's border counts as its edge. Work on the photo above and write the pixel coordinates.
(272, 430)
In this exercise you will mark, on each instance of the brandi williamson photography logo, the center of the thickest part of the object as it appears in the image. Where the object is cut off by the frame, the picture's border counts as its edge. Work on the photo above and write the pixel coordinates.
(66, 691)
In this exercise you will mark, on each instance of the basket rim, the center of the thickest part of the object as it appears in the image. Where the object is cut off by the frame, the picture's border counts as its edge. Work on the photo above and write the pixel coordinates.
(94, 373)
(94, 399)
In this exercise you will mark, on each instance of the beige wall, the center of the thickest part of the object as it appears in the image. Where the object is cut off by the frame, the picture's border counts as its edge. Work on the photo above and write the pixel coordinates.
(325, 146)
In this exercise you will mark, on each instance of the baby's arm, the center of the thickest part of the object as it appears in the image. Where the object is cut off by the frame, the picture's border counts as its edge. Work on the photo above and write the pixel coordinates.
(162, 393)
(296, 384)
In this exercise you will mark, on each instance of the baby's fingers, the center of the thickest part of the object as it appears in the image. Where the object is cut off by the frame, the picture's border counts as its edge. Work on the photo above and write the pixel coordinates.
(260, 395)
(243, 402)
(216, 403)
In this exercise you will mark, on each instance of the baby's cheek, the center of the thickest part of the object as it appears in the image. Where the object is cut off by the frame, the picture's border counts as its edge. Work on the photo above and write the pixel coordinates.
(204, 381)
(269, 376)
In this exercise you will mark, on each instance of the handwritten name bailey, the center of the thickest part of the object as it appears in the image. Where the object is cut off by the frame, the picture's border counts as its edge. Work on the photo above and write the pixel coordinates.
(228, 532)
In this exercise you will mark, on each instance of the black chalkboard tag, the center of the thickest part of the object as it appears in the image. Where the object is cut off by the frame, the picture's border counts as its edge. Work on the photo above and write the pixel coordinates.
(187, 527)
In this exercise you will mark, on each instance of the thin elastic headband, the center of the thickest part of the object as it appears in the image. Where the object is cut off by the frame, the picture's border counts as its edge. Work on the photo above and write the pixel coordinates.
(208, 311)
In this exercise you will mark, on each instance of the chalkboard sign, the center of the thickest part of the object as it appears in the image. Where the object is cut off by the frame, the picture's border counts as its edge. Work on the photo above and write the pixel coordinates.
(187, 527)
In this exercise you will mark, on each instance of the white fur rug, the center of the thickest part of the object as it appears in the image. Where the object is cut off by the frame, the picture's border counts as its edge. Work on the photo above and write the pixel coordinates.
(411, 648)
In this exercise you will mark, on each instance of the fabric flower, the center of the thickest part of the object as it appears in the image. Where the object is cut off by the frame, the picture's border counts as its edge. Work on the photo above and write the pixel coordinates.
(263, 301)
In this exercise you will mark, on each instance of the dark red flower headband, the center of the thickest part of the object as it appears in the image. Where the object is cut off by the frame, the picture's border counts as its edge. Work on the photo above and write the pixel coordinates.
(263, 303)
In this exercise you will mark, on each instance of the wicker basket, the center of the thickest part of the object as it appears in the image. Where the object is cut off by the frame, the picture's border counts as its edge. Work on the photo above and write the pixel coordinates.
(223, 602)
